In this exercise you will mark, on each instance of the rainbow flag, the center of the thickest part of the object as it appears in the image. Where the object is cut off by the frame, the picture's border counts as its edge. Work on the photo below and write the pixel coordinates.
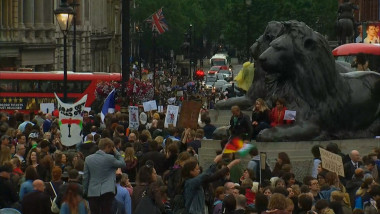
(237, 145)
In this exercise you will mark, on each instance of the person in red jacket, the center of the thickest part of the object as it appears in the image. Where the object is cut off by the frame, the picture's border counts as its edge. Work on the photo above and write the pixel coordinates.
(278, 113)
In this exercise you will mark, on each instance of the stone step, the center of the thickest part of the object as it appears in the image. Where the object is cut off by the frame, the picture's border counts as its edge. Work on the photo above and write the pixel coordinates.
(222, 117)
(299, 152)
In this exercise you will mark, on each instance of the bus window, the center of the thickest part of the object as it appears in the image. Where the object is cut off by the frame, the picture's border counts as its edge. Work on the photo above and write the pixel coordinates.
(7, 86)
(25, 86)
(44, 86)
(55, 86)
(85, 85)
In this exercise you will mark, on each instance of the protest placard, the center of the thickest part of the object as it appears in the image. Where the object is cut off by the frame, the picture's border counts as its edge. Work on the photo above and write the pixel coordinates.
(171, 116)
(133, 117)
(150, 105)
(160, 109)
(332, 162)
(189, 114)
(290, 115)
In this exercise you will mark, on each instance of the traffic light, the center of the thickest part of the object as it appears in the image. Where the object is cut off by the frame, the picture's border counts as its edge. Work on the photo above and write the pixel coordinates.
(199, 74)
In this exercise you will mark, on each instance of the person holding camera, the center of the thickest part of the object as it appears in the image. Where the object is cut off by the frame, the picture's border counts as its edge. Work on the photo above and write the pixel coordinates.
(99, 176)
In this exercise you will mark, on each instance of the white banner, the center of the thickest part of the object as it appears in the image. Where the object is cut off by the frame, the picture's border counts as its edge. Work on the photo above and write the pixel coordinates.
(70, 121)
(171, 116)
(133, 117)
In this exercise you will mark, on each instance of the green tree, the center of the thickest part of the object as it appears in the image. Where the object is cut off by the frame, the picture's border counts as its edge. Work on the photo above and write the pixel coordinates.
(213, 18)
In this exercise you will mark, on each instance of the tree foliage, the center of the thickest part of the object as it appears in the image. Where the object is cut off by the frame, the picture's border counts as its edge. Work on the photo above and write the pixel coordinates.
(213, 18)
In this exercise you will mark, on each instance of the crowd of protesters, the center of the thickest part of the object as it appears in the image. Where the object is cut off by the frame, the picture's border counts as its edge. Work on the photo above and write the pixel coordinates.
(156, 170)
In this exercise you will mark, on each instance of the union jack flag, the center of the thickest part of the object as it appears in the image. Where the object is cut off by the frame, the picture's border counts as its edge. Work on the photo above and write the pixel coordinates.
(158, 22)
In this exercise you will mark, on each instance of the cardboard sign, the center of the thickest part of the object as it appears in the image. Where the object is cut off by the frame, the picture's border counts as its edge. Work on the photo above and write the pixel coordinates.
(70, 121)
(171, 116)
(189, 114)
(332, 162)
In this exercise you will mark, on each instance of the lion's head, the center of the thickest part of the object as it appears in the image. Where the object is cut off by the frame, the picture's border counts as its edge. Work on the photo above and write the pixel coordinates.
(299, 67)
(273, 30)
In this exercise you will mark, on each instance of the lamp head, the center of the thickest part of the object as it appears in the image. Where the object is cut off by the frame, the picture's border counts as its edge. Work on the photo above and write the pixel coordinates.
(64, 14)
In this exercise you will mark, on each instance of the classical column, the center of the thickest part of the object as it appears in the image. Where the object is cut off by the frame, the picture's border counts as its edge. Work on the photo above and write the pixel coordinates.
(21, 14)
(39, 13)
(5, 24)
(48, 18)
(1, 22)
(29, 13)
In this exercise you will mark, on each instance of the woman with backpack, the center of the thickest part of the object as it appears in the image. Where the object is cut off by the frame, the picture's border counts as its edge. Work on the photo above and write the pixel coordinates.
(193, 181)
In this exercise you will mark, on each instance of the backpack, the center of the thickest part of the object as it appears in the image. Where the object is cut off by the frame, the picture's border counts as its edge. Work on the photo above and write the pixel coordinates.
(178, 204)
(358, 203)
(146, 205)
(173, 178)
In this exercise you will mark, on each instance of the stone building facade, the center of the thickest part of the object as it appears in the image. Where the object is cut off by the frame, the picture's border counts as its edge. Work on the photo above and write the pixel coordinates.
(31, 38)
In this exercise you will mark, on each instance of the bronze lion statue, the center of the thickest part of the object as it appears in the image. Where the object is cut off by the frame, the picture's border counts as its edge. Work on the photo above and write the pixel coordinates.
(298, 65)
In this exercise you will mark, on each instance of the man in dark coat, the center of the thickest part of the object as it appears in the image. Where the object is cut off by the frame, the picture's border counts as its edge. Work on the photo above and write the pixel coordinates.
(36, 202)
(240, 124)
(351, 166)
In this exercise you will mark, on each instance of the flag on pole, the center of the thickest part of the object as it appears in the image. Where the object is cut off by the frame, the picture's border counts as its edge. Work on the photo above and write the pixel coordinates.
(158, 22)
(109, 105)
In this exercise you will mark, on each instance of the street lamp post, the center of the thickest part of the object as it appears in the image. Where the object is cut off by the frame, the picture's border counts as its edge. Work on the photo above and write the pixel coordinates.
(189, 33)
(64, 15)
(154, 35)
(248, 3)
(140, 32)
(74, 5)
(172, 68)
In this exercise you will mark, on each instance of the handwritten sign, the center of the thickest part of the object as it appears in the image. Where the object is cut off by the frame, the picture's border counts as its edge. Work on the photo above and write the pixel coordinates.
(189, 114)
(332, 162)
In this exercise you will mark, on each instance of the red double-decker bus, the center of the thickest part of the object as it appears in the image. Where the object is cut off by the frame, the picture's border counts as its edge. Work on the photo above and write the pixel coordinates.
(25, 91)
